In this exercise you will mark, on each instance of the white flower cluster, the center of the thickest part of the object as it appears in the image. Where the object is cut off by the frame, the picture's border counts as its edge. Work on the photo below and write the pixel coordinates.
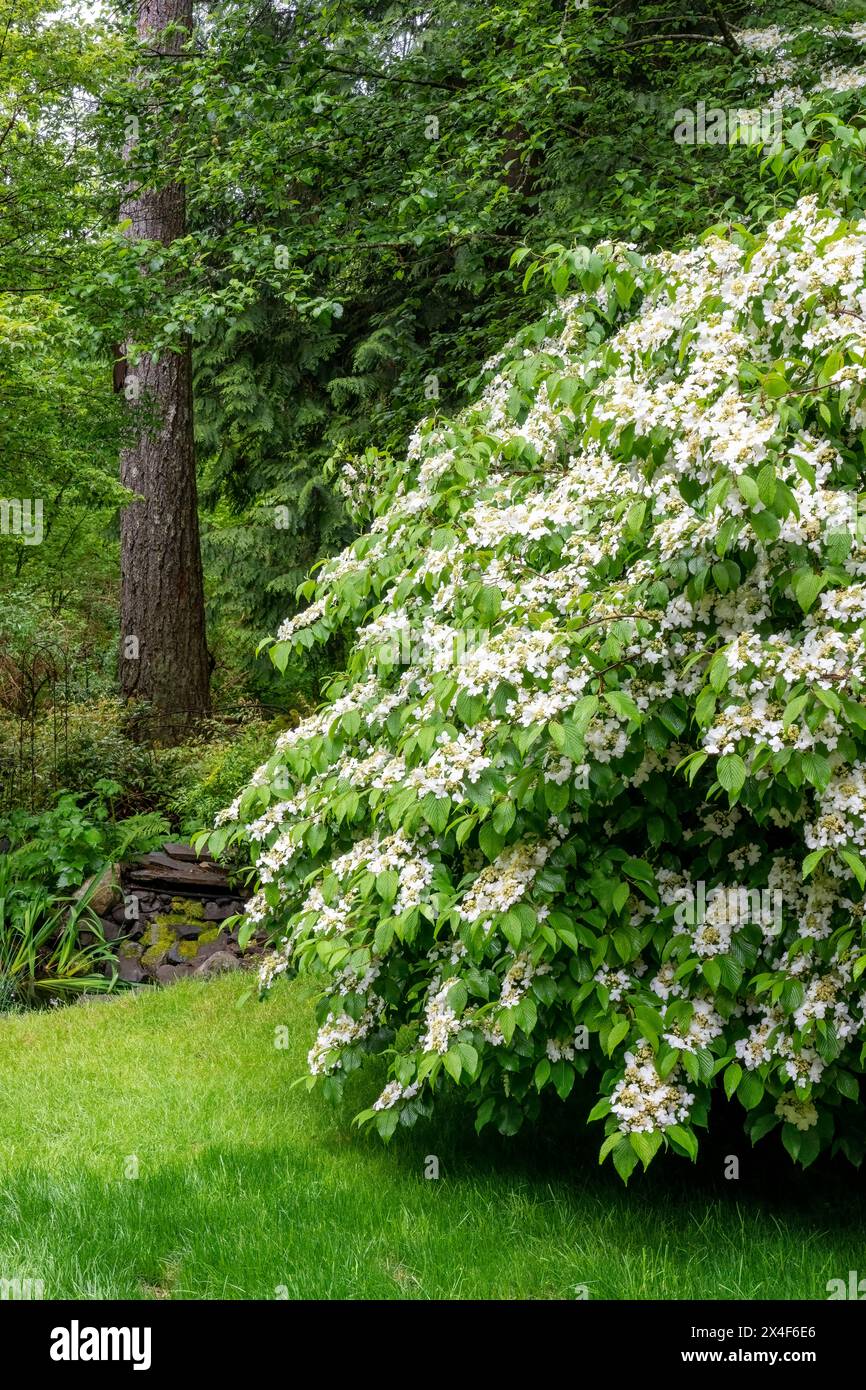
(441, 1020)
(503, 883)
(338, 1032)
(800, 1113)
(394, 1093)
(641, 1101)
(786, 64)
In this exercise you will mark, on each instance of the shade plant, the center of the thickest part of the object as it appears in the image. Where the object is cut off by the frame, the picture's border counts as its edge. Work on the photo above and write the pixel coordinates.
(589, 800)
(52, 944)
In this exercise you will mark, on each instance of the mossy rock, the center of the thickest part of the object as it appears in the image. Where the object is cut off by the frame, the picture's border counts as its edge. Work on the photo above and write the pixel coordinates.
(162, 938)
(189, 949)
(188, 909)
(184, 913)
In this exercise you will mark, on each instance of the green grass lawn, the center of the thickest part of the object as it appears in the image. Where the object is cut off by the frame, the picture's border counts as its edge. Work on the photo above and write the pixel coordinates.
(246, 1184)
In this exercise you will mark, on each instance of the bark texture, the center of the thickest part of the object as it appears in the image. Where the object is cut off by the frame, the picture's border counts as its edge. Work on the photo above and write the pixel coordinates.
(163, 658)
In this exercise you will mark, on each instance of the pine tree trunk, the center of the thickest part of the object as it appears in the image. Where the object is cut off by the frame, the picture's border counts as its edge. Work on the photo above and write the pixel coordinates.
(163, 658)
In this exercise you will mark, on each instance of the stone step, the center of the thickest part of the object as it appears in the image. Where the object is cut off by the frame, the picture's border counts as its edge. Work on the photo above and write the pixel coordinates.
(160, 946)
(160, 870)
(178, 849)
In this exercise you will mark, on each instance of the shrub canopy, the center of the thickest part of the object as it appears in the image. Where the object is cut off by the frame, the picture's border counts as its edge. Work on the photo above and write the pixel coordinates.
(590, 798)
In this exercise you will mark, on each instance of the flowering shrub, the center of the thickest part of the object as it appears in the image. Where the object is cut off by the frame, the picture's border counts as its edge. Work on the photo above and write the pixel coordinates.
(590, 798)
(791, 59)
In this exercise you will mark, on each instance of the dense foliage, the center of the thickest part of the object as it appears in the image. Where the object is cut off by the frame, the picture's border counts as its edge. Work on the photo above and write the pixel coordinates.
(358, 177)
(589, 799)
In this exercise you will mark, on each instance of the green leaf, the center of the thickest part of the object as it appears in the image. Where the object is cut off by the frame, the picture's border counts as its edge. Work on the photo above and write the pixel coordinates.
(807, 588)
(733, 1077)
(731, 772)
(562, 1075)
(811, 862)
(761, 1126)
(623, 705)
(750, 1090)
(616, 1035)
(775, 385)
(624, 1160)
(610, 1142)
(388, 884)
(383, 936)
(452, 1063)
(847, 1085)
(855, 864)
(646, 1146)
(490, 841)
(488, 603)
(485, 1113)
(635, 517)
(791, 1138)
(712, 973)
(685, 1138)
(719, 672)
(436, 811)
(458, 997)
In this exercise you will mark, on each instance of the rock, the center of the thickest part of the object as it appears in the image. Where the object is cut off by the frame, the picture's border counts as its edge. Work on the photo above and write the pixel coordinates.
(110, 929)
(217, 912)
(103, 893)
(189, 928)
(130, 968)
(210, 948)
(179, 850)
(174, 956)
(159, 871)
(158, 940)
(167, 974)
(216, 964)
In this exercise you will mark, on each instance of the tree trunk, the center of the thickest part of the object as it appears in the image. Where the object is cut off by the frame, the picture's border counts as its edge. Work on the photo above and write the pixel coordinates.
(163, 658)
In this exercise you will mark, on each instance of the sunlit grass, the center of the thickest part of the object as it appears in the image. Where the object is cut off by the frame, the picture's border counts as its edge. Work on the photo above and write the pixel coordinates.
(248, 1187)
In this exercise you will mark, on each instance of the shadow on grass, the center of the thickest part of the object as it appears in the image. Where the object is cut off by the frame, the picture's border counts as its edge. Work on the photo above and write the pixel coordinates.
(563, 1148)
(504, 1220)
